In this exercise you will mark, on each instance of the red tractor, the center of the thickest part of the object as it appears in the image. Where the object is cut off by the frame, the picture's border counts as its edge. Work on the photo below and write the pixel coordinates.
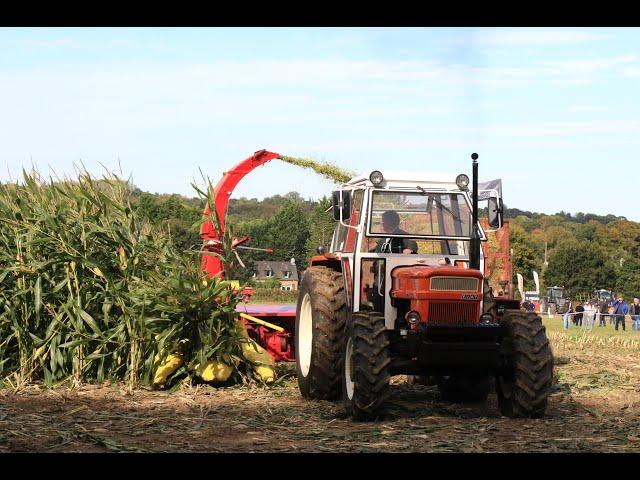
(401, 290)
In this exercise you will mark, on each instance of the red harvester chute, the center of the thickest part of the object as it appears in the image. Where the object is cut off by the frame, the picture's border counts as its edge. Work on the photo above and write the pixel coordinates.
(277, 341)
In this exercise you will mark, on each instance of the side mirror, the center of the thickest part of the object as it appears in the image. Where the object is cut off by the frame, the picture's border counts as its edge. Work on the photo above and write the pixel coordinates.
(341, 204)
(495, 212)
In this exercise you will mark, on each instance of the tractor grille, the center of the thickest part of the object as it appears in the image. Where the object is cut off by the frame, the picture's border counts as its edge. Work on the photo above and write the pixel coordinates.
(453, 313)
(456, 284)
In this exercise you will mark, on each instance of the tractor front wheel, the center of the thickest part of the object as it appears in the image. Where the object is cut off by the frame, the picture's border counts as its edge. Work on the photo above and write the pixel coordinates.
(523, 387)
(319, 333)
(366, 372)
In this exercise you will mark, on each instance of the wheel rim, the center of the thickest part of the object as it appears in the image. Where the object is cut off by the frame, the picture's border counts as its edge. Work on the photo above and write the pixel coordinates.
(348, 369)
(305, 335)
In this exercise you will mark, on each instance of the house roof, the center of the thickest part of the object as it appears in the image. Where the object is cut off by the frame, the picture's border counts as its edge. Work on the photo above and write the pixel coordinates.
(278, 268)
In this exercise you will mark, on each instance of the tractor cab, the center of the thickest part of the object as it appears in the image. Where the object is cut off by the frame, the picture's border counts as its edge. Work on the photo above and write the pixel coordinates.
(397, 237)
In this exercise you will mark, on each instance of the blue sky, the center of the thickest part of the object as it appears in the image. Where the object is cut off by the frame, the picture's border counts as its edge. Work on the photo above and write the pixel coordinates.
(554, 112)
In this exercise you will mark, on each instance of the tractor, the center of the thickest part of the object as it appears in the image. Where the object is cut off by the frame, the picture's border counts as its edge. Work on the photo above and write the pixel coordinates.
(555, 301)
(603, 295)
(401, 291)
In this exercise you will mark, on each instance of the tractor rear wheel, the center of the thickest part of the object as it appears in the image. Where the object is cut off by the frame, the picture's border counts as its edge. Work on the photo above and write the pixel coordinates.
(523, 387)
(464, 388)
(366, 366)
(319, 333)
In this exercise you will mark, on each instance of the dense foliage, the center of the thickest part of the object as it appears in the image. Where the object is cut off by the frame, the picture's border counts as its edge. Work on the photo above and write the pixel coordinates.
(92, 291)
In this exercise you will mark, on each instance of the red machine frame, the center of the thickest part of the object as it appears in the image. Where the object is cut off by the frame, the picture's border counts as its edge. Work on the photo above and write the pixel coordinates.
(278, 343)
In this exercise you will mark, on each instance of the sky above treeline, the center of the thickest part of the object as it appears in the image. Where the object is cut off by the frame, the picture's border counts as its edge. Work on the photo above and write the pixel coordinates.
(554, 112)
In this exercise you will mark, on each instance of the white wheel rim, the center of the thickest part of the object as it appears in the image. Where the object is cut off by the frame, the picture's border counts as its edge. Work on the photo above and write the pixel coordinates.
(305, 335)
(348, 369)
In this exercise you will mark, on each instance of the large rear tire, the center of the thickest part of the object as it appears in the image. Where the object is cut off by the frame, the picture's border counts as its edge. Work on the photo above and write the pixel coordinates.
(366, 367)
(464, 388)
(319, 333)
(523, 388)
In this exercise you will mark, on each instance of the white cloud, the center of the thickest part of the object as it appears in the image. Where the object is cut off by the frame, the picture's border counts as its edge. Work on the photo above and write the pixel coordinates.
(591, 66)
(532, 37)
(588, 108)
(333, 76)
(566, 129)
(630, 72)
(75, 44)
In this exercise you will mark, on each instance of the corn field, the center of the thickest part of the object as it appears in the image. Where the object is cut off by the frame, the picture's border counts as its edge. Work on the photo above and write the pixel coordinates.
(90, 293)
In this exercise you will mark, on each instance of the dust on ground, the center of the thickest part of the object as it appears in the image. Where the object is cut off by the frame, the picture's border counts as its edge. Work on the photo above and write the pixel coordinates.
(594, 407)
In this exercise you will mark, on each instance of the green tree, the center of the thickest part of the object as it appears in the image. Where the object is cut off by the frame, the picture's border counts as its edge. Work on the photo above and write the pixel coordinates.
(580, 267)
(524, 259)
(289, 232)
(628, 282)
(321, 226)
(259, 232)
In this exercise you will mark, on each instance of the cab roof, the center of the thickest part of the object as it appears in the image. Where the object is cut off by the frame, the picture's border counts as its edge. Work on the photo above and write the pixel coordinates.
(410, 179)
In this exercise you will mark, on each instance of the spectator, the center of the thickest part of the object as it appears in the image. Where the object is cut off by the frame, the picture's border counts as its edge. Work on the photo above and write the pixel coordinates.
(611, 310)
(589, 315)
(577, 320)
(566, 316)
(603, 308)
(620, 309)
(634, 310)
(528, 305)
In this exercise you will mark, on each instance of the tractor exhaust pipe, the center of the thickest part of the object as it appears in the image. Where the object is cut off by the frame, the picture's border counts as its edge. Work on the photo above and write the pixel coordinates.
(474, 256)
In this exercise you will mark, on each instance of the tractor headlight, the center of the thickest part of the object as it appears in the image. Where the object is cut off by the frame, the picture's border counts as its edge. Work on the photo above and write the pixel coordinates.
(462, 181)
(413, 317)
(486, 318)
(376, 177)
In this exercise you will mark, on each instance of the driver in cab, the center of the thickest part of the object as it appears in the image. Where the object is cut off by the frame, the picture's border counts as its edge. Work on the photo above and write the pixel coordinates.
(391, 225)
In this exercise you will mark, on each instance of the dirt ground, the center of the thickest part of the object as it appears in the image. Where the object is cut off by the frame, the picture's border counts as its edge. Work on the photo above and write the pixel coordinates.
(594, 407)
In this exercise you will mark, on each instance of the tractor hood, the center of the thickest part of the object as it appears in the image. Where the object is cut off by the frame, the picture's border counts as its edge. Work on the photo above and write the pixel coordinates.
(422, 281)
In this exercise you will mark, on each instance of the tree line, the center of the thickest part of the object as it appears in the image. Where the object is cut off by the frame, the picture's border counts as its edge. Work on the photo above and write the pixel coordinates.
(580, 251)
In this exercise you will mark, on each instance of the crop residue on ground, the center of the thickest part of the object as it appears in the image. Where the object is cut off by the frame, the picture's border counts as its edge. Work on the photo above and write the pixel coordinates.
(593, 407)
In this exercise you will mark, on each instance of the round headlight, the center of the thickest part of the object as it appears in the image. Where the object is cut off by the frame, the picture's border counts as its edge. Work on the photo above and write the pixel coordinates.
(462, 181)
(376, 177)
(486, 318)
(413, 317)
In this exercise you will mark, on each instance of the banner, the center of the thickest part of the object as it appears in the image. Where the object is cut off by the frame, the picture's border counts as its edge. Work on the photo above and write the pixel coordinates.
(490, 185)
(520, 286)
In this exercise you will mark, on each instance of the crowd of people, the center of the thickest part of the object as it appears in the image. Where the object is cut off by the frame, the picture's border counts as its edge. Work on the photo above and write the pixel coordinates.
(616, 311)
(585, 314)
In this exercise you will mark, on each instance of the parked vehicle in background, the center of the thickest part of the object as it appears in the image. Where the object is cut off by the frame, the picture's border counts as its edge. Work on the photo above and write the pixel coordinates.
(555, 301)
